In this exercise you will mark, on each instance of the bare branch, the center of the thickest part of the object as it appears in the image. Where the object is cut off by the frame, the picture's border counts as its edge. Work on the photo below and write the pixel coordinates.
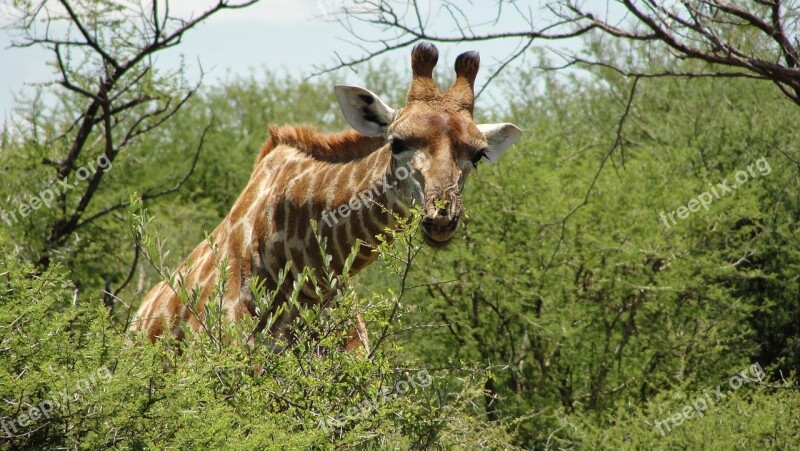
(108, 62)
(90, 40)
(721, 33)
(151, 193)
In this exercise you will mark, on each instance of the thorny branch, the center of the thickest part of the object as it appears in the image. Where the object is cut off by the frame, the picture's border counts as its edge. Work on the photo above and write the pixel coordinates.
(411, 250)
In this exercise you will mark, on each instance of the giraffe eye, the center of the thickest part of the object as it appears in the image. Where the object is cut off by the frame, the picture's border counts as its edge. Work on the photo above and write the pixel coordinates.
(478, 157)
(398, 145)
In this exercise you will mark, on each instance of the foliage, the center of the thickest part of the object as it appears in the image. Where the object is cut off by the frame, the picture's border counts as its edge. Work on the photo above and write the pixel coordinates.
(568, 313)
(71, 380)
(570, 286)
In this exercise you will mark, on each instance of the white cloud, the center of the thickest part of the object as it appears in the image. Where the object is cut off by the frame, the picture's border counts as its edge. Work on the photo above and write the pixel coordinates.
(269, 11)
(266, 11)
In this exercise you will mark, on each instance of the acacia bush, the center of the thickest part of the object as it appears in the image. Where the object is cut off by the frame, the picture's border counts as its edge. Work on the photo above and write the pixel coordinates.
(69, 379)
(591, 311)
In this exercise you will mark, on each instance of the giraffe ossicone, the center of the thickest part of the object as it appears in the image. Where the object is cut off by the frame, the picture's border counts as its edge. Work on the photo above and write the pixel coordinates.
(418, 154)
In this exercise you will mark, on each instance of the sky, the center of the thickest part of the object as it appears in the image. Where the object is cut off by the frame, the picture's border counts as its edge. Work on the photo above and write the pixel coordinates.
(295, 36)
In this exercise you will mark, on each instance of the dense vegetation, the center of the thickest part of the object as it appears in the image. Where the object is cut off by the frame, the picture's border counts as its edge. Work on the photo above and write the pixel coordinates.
(568, 313)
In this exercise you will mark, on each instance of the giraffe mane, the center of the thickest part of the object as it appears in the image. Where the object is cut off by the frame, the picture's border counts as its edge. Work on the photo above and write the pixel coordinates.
(333, 147)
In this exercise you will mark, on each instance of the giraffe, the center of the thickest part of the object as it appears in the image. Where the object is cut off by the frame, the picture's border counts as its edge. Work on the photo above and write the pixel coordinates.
(352, 183)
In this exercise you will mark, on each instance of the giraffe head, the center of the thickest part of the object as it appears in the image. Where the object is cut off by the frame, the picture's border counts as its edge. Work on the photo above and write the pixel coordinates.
(434, 133)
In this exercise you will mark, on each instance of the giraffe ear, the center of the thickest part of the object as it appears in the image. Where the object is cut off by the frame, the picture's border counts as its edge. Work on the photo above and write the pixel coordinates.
(500, 137)
(364, 110)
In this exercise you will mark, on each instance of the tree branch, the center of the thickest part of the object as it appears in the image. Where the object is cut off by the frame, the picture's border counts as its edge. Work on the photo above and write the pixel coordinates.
(724, 34)
(115, 76)
(149, 195)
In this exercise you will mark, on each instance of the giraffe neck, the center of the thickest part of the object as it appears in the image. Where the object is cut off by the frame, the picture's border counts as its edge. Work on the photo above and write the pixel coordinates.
(396, 185)
(369, 193)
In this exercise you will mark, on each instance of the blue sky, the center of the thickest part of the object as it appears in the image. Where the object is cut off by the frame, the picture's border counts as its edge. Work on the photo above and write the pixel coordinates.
(284, 35)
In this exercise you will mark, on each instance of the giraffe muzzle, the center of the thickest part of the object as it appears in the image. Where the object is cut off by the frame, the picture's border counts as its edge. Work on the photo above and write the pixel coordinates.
(440, 222)
(439, 234)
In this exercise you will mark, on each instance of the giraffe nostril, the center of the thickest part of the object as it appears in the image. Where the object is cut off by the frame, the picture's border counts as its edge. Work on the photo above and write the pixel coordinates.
(441, 211)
